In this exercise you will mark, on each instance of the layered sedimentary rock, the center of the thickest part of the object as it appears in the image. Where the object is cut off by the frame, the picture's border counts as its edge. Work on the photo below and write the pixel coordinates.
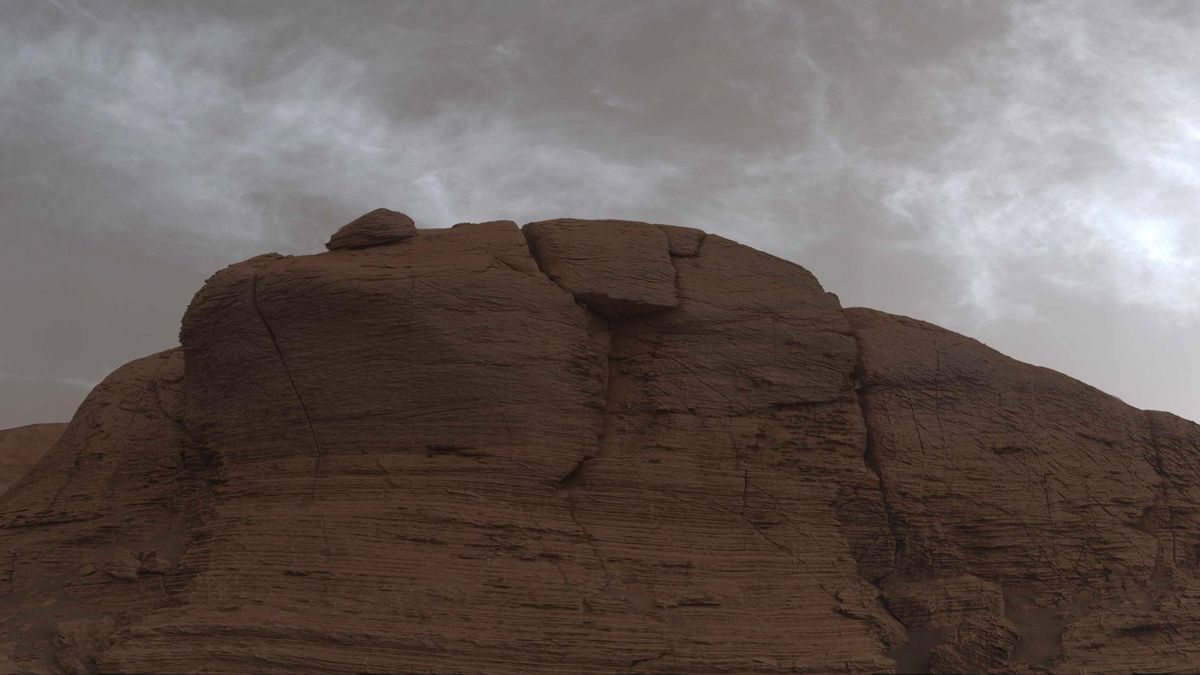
(22, 447)
(1038, 522)
(592, 446)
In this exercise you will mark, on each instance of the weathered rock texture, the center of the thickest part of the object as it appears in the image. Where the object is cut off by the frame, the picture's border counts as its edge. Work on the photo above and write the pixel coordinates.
(593, 446)
(22, 447)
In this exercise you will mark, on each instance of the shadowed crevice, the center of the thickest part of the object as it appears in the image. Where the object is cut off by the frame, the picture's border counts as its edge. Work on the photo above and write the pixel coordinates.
(871, 460)
(574, 476)
(537, 260)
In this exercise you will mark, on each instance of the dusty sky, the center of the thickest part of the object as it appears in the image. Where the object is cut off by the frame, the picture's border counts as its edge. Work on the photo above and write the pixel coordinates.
(1027, 173)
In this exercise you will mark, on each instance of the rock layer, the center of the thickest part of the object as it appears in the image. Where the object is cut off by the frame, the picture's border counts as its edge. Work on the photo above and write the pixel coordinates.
(592, 446)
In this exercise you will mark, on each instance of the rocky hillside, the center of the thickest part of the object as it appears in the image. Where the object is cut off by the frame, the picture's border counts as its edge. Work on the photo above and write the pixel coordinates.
(592, 446)
(22, 447)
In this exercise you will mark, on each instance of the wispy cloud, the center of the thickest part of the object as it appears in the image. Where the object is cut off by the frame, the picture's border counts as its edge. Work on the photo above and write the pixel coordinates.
(1001, 156)
(75, 382)
(1064, 152)
(233, 160)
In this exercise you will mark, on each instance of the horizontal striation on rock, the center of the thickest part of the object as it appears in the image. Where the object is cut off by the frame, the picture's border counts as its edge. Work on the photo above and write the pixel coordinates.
(1056, 518)
(93, 536)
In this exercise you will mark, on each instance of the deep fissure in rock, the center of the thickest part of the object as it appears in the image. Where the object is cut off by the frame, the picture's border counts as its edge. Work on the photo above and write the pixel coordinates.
(871, 460)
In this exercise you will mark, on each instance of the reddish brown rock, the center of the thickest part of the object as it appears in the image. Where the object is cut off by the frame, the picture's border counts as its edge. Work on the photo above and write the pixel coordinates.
(375, 228)
(594, 446)
(124, 477)
(22, 447)
(1032, 506)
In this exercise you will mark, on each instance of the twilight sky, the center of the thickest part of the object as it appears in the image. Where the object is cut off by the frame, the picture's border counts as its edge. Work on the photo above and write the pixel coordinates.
(1027, 173)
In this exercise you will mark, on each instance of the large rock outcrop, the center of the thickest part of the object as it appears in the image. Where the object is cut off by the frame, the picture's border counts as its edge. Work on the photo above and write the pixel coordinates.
(592, 446)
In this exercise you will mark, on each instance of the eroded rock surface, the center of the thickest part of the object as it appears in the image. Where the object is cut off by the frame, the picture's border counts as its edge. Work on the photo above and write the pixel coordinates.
(22, 447)
(592, 446)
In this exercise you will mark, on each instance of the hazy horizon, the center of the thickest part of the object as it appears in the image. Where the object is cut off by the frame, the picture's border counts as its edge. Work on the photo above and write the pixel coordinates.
(1020, 172)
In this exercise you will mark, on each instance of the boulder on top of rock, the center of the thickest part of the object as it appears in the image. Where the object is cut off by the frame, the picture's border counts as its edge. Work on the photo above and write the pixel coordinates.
(378, 227)
(615, 267)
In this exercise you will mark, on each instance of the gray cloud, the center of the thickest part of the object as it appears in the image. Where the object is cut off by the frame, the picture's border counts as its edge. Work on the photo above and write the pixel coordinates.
(1018, 171)
(1067, 153)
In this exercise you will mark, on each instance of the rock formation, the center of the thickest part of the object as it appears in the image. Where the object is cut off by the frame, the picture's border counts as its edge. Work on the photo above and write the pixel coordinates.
(593, 446)
(22, 447)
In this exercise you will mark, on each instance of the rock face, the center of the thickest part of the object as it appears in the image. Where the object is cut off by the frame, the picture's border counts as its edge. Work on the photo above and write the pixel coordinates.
(22, 447)
(593, 446)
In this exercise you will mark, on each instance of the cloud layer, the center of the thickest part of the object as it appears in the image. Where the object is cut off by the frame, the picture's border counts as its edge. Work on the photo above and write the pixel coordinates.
(1020, 171)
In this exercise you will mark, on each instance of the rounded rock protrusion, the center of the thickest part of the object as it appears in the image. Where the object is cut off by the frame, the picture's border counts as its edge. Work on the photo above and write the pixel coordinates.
(379, 227)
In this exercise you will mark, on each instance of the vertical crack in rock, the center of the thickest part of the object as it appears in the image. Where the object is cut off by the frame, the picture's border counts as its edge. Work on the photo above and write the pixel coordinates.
(607, 307)
(1151, 521)
(537, 260)
(1157, 463)
(291, 380)
(871, 460)
(572, 478)
(675, 263)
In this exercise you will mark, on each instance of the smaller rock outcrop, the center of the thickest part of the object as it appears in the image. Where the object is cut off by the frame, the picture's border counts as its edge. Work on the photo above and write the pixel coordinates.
(617, 268)
(22, 447)
(378, 227)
